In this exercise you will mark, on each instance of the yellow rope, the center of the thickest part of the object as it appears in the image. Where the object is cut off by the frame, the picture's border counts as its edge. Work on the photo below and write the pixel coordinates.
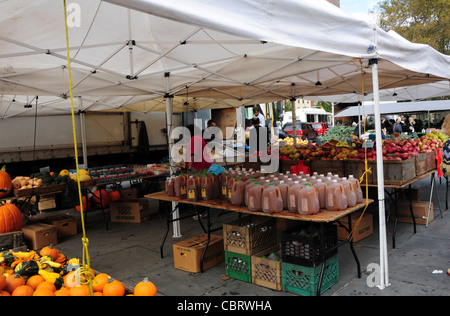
(366, 169)
(85, 269)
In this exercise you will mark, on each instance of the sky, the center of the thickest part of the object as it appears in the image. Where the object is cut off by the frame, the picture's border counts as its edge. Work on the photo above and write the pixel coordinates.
(359, 8)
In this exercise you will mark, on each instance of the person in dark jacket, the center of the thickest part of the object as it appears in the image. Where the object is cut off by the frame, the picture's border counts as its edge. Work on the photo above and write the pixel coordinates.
(397, 127)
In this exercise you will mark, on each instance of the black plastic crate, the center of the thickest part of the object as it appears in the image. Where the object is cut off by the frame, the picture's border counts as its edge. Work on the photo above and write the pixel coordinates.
(303, 244)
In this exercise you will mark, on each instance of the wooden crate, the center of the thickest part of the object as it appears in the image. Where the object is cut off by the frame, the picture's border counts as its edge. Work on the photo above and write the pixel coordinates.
(397, 172)
(250, 234)
(267, 272)
(12, 241)
(431, 160)
(356, 167)
(324, 166)
(421, 164)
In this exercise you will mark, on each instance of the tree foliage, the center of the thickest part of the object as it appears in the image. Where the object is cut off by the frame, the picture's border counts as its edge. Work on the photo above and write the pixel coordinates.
(419, 21)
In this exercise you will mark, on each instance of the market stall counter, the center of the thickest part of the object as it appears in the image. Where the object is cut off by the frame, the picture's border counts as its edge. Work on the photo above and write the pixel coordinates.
(323, 218)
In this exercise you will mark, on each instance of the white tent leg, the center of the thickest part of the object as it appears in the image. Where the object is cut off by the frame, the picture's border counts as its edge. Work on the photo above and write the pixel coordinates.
(169, 114)
(384, 273)
(83, 134)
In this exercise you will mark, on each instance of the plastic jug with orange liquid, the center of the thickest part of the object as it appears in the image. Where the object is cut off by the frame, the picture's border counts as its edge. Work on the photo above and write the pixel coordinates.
(170, 186)
(238, 192)
(180, 186)
(284, 188)
(292, 196)
(192, 189)
(320, 187)
(255, 197)
(272, 202)
(335, 199)
(207, 188)
(308, 200)
(357, 187)
(349, 192)
(247, 189)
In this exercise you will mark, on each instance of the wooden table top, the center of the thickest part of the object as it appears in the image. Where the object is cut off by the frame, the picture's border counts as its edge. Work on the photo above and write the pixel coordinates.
(403, 185)
(323, 216)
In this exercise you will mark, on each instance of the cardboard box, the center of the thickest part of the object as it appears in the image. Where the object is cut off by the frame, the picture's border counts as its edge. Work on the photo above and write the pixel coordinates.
(128, 194)
(416, 194)
(65, 225)
(47, 203)
(188, 253)
(420, 210)
(39, 235)
(130, 211)
(364, 229)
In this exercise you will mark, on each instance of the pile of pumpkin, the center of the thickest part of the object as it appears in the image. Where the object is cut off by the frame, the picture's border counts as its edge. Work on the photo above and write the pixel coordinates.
(49, 273)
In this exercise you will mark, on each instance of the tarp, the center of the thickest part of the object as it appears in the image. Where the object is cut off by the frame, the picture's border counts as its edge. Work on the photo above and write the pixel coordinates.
(217, 54)
(394, 108)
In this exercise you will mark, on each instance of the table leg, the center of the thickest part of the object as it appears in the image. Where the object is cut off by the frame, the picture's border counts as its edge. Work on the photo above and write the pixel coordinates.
(168, 212)
(411, 209)
(208, 225)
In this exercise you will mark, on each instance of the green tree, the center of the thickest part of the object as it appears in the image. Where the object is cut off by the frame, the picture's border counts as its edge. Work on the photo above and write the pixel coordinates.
(419, 21)
(327, 106)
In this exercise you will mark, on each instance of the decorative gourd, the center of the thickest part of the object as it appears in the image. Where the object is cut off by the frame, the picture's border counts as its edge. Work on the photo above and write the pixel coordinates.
(10, 218)
(103, 201)
(113, 288)
(61, 258)
(5, 182)
(27, 268)
(23, 290)
(52, 277)
(145, 288)
(50, 251)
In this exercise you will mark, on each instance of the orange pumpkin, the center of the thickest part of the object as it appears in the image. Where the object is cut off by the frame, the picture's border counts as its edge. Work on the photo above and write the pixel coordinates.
(2, 282)
(4, 293)
(145, 288)
(23, 290)
(82, 290)
(102, 201)
(5, 182)
(63, 292)
(13, 281)
(43, 291)
(10, 218)
(85, 205)
(98, 294)
(99, 282)
(113, 288)
(50, 251)
(48, 285)
(70, 279)
(114, 196)
(34, 281)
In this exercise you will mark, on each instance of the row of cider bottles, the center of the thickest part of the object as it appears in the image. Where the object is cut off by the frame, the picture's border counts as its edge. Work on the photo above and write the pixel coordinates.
(269, 193)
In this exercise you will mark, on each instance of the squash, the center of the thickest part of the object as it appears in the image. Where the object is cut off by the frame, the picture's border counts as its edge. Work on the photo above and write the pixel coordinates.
(5, 182)
(52, 277)
(64, 172)
(27, 268)
(113, 288)
(23, 290)
(10, 218)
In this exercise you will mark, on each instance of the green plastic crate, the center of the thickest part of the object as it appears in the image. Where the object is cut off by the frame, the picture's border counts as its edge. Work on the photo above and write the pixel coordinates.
(238, 266)
(304, 281)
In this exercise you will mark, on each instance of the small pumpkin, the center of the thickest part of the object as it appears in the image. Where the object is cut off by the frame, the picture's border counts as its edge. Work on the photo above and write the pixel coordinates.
(2, 282)
(10, 218)
(145, 288)
(4, 293)
(43, 292)
(86, 205)
(23, 290)
(34, 281)
(81, 290)
(101, 201)
(13, 281)
(113, 288)
(62, 292)
(114, 195)
(48, 285)
(99, 282)
(50, 251)
(5, 182)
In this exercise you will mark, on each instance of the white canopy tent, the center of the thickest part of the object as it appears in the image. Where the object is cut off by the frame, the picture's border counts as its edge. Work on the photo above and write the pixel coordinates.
(239, 52)
(394, 108)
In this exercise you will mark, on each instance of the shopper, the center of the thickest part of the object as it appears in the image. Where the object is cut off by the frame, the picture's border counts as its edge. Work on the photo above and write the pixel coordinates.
(255, 135)
(197, 157)
(397, 126)
(383, 128)
(445, 163)
(262, 120)
(209, 136)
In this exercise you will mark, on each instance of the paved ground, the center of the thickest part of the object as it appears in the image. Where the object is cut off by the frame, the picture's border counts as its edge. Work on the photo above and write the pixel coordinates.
(129, 252)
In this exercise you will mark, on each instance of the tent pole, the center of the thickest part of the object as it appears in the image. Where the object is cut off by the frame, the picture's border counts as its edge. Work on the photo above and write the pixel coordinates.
(384, 274)
(83, 133)
(294, 115)
(169, 115)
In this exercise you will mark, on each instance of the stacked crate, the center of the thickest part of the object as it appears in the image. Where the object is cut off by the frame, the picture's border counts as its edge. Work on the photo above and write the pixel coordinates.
(244, 237)
(304, 251)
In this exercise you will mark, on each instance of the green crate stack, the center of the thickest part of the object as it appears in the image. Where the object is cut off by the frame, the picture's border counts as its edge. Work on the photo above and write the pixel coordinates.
(304, 281)
(238, 266)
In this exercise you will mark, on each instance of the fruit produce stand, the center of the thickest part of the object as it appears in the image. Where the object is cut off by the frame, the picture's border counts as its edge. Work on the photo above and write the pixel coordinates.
(323, 218)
